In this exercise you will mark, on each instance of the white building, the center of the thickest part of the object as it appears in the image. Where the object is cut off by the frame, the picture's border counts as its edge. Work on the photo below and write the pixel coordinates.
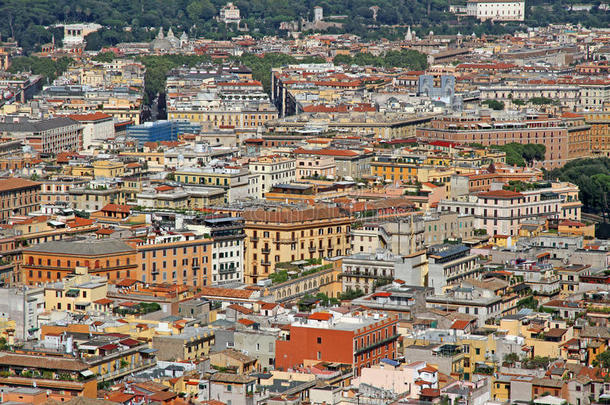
(230, 14)
(316, 166)
(318, 14)
(273, 170)
(227, 249)
(497, 10)
(97, 128)
(501, 212)
(74, 34)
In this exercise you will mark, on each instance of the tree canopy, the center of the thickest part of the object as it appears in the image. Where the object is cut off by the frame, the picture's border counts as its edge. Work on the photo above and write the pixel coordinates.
(592, 176)
(406, 58)
(29, 21)
(522, 154)
(46, 67)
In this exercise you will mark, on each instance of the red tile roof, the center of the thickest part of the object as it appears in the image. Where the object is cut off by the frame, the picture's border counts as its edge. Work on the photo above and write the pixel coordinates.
(429, 369)
(444, 144)
(103, 301)
(240, 309)
(96, 116)
(246, 322)
(320, 316)
(78, 221)
(325, 152)
(15, 183)
(500, 194)
(116, 208)
(460, 324)
(567, 222)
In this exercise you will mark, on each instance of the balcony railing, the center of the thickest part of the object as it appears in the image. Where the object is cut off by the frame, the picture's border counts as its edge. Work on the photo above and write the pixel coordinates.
(127, 370)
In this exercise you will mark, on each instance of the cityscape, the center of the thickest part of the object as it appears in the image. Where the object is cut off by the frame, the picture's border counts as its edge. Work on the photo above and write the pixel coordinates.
(284, 202)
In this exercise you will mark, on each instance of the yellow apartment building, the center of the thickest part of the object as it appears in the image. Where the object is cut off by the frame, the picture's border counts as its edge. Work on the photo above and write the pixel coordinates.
(108, 168)
(77, 293)
(154, 160)
(394, 171)
(288, 235)
(599, 132)
(237, 119)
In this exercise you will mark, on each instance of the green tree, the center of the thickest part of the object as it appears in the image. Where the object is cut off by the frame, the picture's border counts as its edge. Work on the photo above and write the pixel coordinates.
(592, 176)
(494, 104)
(46, 67)
(602, 360)
(522, 154)
(104, 57)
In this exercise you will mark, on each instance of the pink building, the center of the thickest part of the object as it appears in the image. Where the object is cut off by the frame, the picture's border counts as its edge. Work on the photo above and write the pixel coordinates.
(316, 166)
(399, 378)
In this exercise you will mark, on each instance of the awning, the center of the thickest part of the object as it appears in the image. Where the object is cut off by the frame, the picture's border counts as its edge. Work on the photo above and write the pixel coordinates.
(86, 373)
(148, 350)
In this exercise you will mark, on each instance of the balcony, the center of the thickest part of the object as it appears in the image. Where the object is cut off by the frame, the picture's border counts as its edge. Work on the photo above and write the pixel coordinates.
(143, 365)
(377, 344)
(312, 249)
(265, 263)
(266, 250)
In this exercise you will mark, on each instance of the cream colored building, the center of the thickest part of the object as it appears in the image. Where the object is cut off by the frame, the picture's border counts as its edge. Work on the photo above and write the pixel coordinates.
(273, 170)
(284, 236)
(497, 10)
(76, 293)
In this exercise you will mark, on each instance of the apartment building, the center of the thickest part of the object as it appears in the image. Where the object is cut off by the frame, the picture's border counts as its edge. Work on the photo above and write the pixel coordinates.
(191, 344)
(176, 258)
(359, 340)
(600, 132)
(500, 212)
(75, 294)
(220, 96)
(93, 197)
(576, 94)
(18, 197)
(366, 272)
(394, 169)
(349, 163)
(52, 135)
(316, 167)
(53, 261)
(63, 378)
(288, 235)
(236, 181)
(483, 304)
(227, 234)
(561, 144)
(443, 226)
(273, 170)
(56, 189)
(449, 264)
(97, 127)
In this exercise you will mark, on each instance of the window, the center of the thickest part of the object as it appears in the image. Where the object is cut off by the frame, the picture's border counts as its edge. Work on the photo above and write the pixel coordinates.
(319, 356)
(319, 340)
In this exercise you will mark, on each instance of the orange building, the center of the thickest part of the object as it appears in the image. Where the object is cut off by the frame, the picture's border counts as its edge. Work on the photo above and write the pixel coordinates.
(18, 197)
(61, 378)
(54, 260)
(178, 258)
(358, 339)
